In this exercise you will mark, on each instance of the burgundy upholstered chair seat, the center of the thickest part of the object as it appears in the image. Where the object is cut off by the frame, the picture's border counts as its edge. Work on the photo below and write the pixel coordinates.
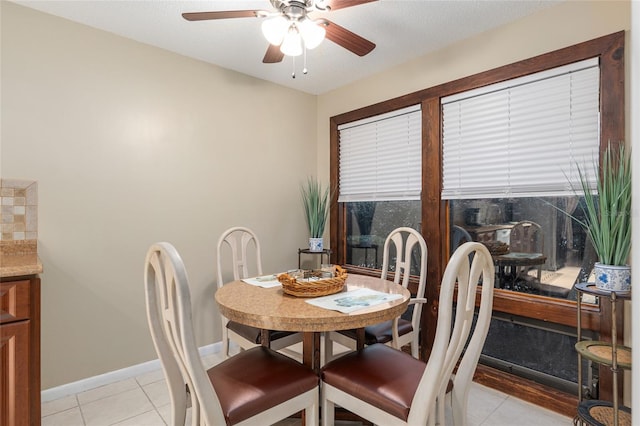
(380, 375)
(382, 332)
(257, 379)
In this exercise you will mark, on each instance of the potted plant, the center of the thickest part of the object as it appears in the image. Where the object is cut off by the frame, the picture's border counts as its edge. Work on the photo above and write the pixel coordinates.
(315, 200)
(607, 218)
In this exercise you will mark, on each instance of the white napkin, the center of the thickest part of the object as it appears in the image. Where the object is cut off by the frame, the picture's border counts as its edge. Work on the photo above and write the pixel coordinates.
(265, 281)
(353, 300)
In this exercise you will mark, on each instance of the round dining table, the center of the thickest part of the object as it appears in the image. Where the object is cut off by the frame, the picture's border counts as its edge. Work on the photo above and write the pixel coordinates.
(512, 261)
(272, 309)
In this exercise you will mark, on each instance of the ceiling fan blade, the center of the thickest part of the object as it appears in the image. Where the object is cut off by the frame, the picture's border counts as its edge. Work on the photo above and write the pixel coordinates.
(341, 4)
(273, 55)
(226, 14)
(350, 41)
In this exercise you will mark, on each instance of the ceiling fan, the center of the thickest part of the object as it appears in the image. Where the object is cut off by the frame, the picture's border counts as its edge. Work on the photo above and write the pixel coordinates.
(289, 28)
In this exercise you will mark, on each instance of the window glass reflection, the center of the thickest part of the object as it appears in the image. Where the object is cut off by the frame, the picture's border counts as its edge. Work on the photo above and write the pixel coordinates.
(368, 224)
(537, 249)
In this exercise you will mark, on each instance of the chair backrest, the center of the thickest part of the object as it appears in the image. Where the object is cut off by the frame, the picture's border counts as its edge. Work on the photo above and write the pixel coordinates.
(238, 239)
(459, 236)
(469, 274)
(447, 340)
(526, 237)
(404, 239)
(169, 314)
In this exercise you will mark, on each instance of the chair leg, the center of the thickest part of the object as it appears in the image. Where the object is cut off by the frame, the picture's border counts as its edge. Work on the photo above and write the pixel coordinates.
(328, 411)
(432, 420)
(328, 347)
(178, 414)
(440, 410)
(225, 342)
(179, 396)
(195, 412)
(311, 415)
(225, 347)
(458, 408)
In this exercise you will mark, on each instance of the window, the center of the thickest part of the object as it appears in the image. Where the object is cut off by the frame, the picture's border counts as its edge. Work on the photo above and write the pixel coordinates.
(522, 137)
(379, 180)
(510, 151)
(551, 316)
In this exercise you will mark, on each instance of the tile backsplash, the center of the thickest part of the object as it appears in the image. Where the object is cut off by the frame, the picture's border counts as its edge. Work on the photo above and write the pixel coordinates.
(19, 216)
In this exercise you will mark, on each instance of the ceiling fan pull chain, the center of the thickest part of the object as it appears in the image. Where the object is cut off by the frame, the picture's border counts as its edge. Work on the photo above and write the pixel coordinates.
(293, 68)
(304, 65)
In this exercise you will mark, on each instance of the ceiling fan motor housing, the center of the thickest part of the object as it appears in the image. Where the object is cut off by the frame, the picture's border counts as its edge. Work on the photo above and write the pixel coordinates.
(297, 9)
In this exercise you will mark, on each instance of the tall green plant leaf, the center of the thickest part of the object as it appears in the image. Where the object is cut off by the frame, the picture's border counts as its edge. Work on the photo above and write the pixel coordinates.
(608, 217)
(315, 200)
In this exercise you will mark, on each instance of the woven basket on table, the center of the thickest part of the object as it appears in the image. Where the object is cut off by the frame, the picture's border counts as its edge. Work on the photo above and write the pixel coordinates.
(321, 287)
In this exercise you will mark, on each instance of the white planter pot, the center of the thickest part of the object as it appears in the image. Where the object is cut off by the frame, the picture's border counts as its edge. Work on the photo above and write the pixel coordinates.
(612, 278)
(316, 244)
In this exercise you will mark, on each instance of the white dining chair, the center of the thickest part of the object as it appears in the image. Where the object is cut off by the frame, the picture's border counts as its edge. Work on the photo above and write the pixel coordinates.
(256, 387)
(456, 387)
(400, 331)
(389, 387)
(238, 240)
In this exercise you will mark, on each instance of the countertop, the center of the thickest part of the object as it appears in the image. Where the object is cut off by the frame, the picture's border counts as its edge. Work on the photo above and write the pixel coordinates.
(19, 265)
(17, 260)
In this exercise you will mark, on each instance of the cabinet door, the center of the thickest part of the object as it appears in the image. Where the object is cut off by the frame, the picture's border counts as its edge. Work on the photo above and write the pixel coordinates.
(14, 373)
(14, 301)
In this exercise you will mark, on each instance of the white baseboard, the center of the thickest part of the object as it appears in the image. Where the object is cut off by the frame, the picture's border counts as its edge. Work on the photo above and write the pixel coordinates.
(114, 376)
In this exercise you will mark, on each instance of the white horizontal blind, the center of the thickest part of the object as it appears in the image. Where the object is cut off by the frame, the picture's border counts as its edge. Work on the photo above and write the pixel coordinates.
(523, 137)
(380, 157)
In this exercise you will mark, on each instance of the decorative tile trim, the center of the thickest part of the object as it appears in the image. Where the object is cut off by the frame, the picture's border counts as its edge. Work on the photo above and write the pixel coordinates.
(18, 210)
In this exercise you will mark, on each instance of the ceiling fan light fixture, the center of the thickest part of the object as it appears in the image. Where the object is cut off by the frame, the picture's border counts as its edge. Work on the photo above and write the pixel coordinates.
(291, 32)
(312, 33)
(292, 43)
(275, 29)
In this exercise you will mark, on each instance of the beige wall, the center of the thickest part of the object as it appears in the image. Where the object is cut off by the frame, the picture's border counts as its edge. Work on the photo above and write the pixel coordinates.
(131, 145)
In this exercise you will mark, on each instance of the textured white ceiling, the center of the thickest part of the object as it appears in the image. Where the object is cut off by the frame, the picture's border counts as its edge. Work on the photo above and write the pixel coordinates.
(401, 29)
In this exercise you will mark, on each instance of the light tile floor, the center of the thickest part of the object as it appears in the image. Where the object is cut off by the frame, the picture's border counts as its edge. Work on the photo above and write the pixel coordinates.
(144, 401)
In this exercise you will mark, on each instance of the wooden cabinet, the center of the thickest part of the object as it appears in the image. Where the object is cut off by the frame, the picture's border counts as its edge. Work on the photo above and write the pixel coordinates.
(20, 351)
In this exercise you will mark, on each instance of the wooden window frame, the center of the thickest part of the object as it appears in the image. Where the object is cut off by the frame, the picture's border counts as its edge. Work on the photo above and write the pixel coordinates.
(435, 219)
